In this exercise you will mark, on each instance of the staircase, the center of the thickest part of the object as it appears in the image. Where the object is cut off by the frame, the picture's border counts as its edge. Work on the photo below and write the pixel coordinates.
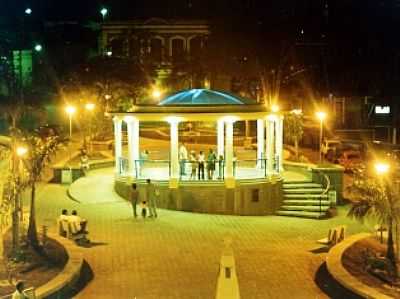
(304, 199)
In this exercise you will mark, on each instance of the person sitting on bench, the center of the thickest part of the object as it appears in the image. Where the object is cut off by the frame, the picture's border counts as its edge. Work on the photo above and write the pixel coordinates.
(78, 225)
(62, 223)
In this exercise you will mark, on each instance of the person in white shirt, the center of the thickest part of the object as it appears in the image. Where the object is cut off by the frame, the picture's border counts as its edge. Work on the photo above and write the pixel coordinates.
(62, 223)
(201, 160)
(19, 291)
(183, 157)
(78, 224)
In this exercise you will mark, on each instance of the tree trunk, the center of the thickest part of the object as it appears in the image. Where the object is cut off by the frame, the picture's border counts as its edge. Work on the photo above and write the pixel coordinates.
(32, 231)
(296, 148)
(390, 246)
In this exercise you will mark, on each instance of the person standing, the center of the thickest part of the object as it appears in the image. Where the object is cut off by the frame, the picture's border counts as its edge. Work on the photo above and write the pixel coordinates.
(151, 198)
(211, 164)
(193, 164)
(144, 156)
(201, 161)
(134, 198)
(221, 167)
(183, 157)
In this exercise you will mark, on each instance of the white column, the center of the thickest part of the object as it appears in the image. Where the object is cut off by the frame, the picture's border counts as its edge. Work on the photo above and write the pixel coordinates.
(220, 138)
(133, 144)
(260, 142)
(229, 178)
(270, 144)
(174, 153)
(118, 142)
(279, 141)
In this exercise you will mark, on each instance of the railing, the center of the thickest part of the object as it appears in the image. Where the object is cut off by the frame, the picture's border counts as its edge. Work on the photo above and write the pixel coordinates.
(191, 170)
(154, 169)
(327, 187)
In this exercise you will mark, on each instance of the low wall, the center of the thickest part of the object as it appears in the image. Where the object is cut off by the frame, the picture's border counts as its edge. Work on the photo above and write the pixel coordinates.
(249, 197)
(61, 285)
(316, 174)
(341, 275)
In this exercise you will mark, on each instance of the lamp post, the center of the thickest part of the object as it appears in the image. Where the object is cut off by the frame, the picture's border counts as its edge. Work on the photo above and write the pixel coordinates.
(321, 116)
(70, 111)
(20, 152)
(89, 108)
(103, 12)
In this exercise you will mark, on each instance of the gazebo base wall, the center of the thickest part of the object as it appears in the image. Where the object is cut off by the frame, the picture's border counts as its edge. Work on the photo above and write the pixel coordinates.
(249, 197)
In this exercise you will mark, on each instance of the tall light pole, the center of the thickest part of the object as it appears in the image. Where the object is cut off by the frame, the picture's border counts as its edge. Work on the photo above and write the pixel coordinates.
(321, 116)
(70, 111)
(90, 107)
(104, 12)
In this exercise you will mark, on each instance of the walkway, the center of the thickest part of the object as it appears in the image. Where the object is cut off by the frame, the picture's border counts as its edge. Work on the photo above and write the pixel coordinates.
(177, 255)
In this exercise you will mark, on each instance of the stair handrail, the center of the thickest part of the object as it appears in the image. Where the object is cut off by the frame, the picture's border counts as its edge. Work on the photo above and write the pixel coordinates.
(328, 186)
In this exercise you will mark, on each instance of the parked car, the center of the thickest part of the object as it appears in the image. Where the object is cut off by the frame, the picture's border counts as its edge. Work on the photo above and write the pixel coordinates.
(329, 148)
(351, 160)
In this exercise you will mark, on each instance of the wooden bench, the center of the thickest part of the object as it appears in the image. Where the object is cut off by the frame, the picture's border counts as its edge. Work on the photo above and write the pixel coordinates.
(335, 235)
(65, 229)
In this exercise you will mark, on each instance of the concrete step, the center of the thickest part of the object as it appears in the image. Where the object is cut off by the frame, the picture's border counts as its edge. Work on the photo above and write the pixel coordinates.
(305, 208)
(301, 185)
(303, 190)
(305, 202)
(305, 196)
(303, 214)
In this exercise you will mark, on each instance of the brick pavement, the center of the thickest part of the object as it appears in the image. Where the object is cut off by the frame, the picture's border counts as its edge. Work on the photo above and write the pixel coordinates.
(177, 255)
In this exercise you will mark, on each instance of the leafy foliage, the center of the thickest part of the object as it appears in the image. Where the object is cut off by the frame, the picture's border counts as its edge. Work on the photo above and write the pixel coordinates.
(293, 128)
(375, 198)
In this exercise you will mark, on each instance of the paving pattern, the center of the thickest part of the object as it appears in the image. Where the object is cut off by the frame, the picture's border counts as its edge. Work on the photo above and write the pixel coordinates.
(177, 255)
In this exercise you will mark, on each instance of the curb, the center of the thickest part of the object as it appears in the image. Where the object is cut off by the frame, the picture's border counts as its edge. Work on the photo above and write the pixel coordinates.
(341, 275)
(69, 275)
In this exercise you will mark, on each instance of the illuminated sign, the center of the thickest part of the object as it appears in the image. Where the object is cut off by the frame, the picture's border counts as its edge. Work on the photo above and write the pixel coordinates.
(382, 109)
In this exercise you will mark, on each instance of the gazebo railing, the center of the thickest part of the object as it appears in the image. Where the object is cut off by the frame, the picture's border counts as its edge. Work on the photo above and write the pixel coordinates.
(191, 170)
(123, 166)
(152, 169)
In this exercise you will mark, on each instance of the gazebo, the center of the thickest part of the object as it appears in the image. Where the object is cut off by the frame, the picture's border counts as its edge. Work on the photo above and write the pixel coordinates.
(202, 105)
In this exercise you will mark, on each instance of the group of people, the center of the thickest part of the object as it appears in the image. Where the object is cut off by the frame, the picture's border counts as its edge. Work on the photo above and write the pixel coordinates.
(196, 164)
(146, 201)
(75, 222)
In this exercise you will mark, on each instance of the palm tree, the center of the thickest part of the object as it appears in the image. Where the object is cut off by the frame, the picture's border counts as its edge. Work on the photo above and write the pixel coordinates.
(376, 199)
(39, 155)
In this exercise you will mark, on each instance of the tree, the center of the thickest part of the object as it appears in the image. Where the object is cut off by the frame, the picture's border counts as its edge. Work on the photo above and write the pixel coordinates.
(39, 155)
(375, 198)
(293, 128)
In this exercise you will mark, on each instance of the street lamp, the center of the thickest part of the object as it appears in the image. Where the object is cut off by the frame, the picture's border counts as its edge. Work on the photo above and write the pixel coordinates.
(104, 12)
(28, 11)
(321, 116)
(21, 151)
(381, 168)
(274, 108)
(90, 107)
(70, 111)
(38, 48)
(156, 93)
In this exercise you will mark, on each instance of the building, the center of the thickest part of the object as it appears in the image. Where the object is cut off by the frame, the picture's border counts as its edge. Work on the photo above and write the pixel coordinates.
(160, 42)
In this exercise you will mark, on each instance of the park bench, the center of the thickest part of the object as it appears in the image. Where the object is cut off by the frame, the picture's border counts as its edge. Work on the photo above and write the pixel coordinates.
(65, 229)
(335, 235)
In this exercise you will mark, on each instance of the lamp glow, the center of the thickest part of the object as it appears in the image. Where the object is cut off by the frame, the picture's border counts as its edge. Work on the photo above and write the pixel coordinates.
(381, 168)
(104, 11)
(275, 108)
(38, 48)
(21, 151)
(320, 115)
(90, 106)
(156, 93)
(70, 110)
(28, 11)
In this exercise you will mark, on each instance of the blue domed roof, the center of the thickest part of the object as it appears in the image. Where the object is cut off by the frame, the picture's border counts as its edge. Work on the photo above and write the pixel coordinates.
(201, 97)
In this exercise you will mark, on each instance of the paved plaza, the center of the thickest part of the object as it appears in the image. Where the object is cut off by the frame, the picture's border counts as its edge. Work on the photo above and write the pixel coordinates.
(177, 255)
